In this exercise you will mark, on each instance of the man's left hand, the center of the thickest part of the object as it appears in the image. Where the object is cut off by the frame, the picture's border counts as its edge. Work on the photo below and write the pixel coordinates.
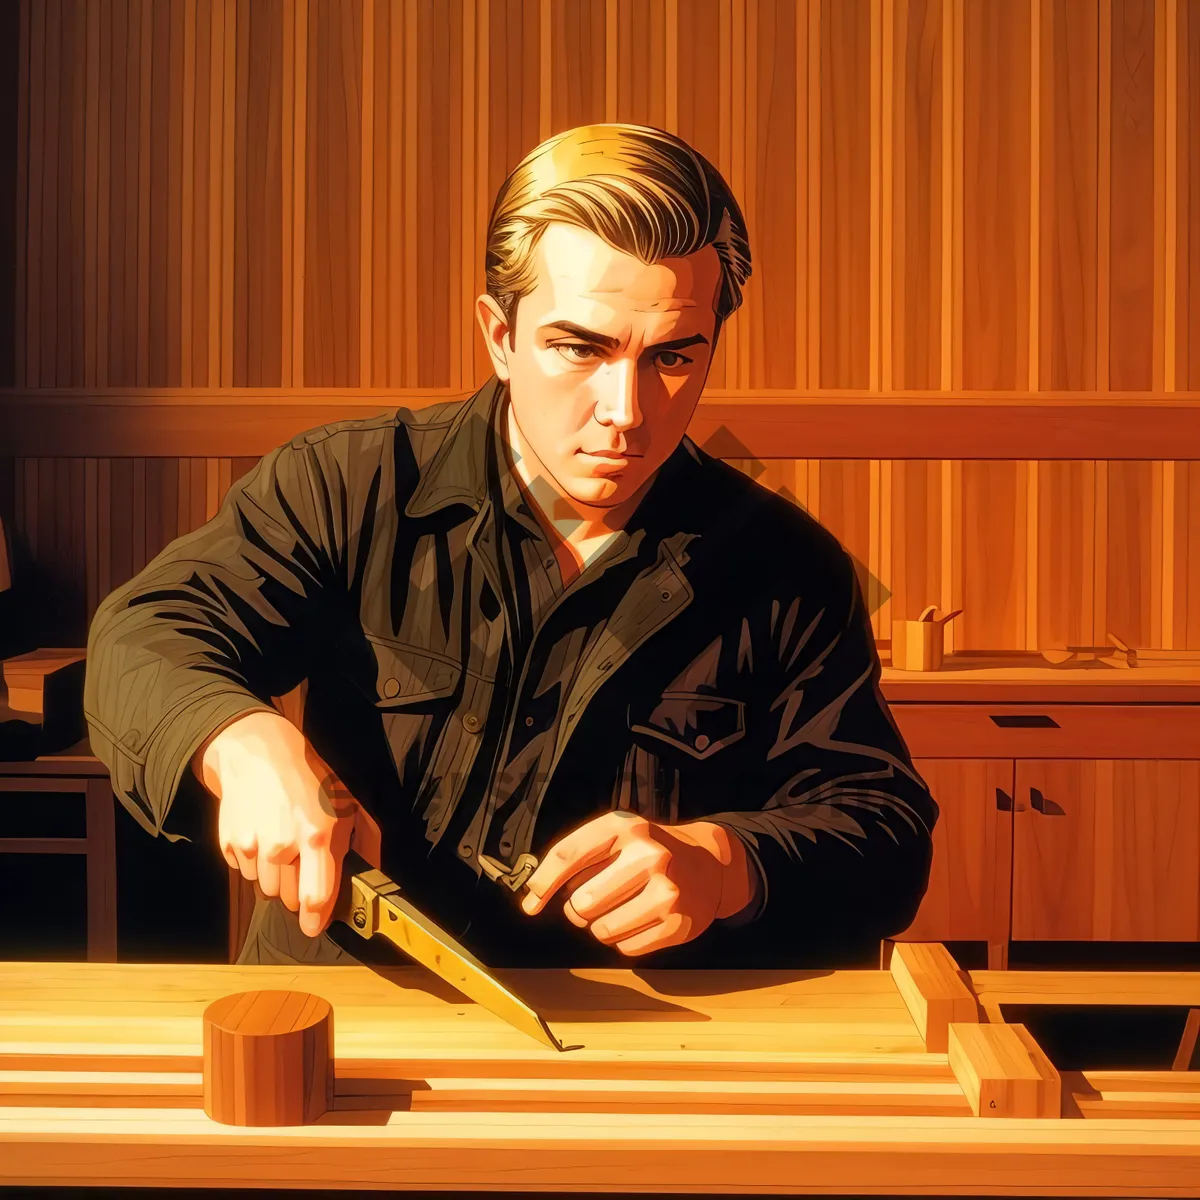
(642, 886)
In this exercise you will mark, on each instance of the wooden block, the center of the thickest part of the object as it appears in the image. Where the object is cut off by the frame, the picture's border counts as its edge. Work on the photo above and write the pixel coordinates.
(43, 682)
(268, 1058)
(927, 978)
(1003, 1072)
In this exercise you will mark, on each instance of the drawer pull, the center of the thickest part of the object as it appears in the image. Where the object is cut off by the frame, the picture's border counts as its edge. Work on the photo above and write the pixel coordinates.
(1045, 807)
(1003, 800)
(1025, 721)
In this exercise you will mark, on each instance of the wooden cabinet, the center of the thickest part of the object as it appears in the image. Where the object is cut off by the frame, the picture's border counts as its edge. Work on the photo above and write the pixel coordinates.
(1058, 821)
(1106, 850)
(969, 882)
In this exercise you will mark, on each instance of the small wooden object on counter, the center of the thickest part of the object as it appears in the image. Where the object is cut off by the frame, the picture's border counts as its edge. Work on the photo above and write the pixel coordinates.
(38, 682)
(920, 645)
(928, 979)
(268, 1058)
(1003, 1071)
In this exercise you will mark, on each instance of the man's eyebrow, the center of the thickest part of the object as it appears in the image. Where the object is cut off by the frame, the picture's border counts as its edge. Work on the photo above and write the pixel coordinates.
(588, 335)
(611, 343)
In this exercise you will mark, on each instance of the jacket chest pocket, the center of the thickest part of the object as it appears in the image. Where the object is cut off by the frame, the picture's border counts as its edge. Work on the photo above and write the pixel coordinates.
(409, 678)
(694, 725)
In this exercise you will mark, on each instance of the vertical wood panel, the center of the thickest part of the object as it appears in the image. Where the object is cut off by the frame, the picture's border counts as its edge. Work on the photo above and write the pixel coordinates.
(1066, 516)
(1068, 201)
(576, 63)
(700, 110)
(332, 204)
(258, 335)
(917, 209)
(996, 177)
(992, 548)
(771, 313)
(1131, 316)
(1187, 338)
(915, 579)
(845, 193)
(14, 212)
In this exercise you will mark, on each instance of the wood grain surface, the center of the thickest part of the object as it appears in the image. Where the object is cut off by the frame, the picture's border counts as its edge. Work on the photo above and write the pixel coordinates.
(99, 1070)
(994, 199)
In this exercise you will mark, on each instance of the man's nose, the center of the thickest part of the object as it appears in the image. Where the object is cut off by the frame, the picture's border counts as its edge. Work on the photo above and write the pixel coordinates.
(618, 404)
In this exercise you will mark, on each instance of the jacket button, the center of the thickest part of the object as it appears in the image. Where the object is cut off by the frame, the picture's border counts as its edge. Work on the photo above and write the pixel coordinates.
(131, 738)
(701, 742)
(528, 722)
(666, 595)
(466, 851)
(391, 688)
(471, 723)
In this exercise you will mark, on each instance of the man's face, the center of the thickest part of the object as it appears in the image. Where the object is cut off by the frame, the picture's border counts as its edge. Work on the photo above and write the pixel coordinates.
(610, 358)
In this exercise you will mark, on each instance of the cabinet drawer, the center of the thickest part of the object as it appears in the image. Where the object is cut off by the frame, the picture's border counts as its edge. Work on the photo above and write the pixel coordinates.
(1049, 730)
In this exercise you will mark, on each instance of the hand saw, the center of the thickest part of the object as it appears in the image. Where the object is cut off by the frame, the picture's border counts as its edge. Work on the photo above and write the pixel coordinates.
(371, 903)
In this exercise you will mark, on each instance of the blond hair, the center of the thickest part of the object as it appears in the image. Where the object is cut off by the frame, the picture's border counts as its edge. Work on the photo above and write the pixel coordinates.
(644, 191)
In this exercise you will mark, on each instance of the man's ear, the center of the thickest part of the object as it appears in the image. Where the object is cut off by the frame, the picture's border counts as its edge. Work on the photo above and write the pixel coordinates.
(495, 333)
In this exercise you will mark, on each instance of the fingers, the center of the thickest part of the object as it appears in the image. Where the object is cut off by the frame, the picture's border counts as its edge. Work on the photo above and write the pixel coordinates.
(321, 854)
(591, 843)
(246, 859)
(654, 903)
(289, 884)
(617, 881)
(659, 936)
(271, 863)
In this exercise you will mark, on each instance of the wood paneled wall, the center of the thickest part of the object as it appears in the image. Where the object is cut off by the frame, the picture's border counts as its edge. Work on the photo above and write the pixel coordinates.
(953, 196)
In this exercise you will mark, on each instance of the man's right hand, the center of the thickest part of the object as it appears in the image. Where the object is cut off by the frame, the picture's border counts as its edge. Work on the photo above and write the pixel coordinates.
(285, 818)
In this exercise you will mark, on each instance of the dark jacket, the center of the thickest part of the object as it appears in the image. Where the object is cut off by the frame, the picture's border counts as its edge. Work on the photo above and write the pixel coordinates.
(717, 663)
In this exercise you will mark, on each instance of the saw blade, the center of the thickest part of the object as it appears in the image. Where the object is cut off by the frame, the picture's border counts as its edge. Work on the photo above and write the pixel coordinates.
(370, 902)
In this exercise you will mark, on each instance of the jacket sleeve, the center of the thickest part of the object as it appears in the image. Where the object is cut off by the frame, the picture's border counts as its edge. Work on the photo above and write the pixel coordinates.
(216, 625)
(836, 821)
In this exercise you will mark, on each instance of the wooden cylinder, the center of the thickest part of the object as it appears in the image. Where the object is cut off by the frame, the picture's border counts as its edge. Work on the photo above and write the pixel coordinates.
(268, 1058)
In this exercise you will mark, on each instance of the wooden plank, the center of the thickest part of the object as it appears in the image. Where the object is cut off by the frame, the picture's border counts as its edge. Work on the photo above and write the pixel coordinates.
(43, 845)
(180, 1089)
(696, 1153)
(929, 981)
(1003, 1072)
(1074, 988)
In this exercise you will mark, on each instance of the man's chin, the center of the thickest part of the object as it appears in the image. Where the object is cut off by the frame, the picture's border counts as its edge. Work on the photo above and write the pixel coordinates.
(601, 492)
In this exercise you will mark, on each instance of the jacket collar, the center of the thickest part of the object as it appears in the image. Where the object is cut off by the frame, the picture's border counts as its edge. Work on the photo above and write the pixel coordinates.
(458, 471)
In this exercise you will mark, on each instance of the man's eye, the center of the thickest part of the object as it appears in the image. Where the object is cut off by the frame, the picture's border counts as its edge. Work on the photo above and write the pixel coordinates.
(567, 349)
(677, 359)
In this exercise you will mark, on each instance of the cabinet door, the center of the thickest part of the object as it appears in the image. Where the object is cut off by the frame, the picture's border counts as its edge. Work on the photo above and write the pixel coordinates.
(968, 894)
(1107, 850)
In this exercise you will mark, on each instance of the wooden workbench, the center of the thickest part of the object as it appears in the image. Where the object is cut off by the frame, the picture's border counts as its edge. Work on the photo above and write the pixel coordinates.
(863, 1082)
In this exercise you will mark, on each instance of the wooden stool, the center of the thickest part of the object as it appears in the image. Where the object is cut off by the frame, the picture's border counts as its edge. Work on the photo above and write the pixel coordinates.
(268, 1058)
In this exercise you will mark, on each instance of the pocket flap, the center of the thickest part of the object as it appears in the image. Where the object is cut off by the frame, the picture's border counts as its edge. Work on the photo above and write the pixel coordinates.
(408, 675)
(697, 724)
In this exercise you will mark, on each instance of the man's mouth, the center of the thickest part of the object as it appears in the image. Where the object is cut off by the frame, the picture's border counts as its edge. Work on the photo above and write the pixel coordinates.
(610, 455)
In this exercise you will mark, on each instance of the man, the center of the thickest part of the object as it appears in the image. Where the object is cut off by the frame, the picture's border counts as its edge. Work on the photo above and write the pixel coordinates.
(541, 620)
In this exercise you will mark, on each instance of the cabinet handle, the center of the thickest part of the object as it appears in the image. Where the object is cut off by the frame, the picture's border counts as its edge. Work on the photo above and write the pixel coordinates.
(1024, 721)
(1003, 800)
(1046, 807)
